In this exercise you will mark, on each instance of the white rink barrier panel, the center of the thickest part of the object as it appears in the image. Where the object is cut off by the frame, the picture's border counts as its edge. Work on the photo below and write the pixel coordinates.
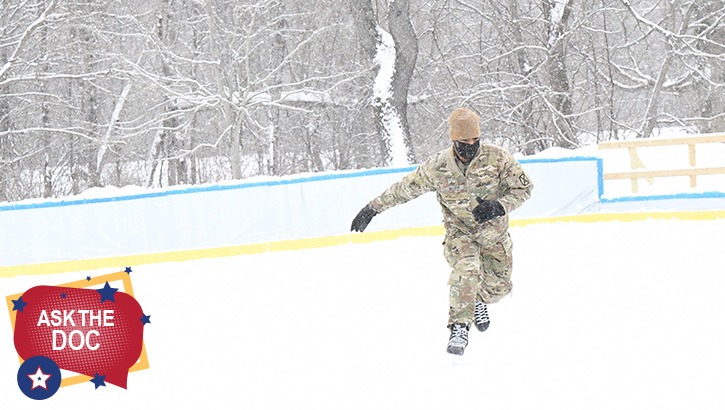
(254, 213)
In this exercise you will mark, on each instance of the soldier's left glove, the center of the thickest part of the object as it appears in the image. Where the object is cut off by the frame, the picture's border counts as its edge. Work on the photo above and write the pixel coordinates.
(487, 209)
(362, 219)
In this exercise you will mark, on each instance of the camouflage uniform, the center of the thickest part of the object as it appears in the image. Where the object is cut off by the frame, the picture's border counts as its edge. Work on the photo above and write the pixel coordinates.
(479, 254)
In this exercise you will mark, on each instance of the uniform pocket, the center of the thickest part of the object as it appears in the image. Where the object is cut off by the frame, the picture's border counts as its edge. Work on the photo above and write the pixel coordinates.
(498, 258)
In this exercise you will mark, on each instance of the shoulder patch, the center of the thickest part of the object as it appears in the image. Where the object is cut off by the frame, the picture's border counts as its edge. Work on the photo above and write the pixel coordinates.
(524, 180)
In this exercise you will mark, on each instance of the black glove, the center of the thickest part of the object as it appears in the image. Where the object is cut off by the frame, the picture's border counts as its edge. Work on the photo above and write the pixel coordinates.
(363, 218)
(487, 209)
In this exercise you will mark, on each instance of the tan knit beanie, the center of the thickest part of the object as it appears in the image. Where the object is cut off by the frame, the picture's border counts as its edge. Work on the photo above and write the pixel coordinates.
(464, 125)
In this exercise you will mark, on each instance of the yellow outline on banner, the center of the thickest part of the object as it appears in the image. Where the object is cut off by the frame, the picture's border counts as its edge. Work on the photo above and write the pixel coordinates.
(309, 243)
(143, 362)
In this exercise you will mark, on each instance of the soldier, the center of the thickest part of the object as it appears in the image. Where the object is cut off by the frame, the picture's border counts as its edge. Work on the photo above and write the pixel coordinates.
(477, 186)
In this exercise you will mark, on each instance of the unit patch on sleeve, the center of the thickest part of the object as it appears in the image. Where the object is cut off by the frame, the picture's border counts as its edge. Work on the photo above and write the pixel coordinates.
(524, 180)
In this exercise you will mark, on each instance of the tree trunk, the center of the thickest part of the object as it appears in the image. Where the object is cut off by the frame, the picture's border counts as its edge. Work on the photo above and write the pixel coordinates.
(5, 145)
(368, 37)
(650, 117)
(233, 116)
(713, 43)
(557, 12)
(47, 168)
(395, 54)
(526, 111)
(170, 124)
(406, 54)
(365, 27)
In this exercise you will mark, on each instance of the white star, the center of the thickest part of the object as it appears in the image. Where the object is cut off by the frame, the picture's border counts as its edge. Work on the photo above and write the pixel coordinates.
(39, 379)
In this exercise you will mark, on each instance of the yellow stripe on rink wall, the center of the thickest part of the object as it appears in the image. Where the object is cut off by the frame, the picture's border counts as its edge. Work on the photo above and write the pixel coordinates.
(309, 243)
(627, 217)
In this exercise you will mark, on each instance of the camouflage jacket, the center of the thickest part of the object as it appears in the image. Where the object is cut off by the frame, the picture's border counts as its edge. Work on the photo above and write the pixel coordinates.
(492, 174)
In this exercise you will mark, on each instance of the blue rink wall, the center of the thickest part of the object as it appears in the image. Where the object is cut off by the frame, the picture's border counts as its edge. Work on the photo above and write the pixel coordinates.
(278, 214)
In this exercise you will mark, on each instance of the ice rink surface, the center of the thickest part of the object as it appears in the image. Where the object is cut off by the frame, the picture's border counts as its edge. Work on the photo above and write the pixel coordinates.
(608, 315)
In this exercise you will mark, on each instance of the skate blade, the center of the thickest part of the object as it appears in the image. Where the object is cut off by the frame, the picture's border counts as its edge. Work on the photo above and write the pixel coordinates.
(458, 351)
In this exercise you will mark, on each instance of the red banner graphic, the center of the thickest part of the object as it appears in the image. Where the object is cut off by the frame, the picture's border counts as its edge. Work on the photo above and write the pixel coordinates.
(87, 331)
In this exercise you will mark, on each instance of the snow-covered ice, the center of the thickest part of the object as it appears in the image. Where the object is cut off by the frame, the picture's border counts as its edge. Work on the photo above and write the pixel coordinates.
(608, 315)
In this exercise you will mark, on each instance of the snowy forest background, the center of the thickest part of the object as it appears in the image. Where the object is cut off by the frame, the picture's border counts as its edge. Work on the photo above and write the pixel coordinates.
(166, 92)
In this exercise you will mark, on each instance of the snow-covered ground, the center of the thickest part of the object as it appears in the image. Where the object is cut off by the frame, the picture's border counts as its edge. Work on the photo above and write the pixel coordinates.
(608, 315)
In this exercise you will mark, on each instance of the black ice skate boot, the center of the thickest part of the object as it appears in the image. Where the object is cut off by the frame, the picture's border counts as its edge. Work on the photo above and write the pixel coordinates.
(459, 339)
(480, 316)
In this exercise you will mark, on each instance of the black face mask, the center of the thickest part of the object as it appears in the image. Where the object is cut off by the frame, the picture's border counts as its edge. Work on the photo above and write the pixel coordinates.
(466, 151)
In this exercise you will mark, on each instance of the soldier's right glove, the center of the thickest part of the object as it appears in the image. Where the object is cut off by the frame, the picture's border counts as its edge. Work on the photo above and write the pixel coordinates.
(487, 209)
(363, 218)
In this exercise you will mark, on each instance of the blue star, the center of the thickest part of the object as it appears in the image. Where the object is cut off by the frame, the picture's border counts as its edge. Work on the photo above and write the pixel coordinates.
(88, 278)
(128, 270)
(146, 319)
(107, 293)
(63, 295)
(98, 380)
(19, 304)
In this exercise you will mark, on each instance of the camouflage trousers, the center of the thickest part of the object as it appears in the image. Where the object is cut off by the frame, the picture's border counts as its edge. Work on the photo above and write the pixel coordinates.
(478, 272)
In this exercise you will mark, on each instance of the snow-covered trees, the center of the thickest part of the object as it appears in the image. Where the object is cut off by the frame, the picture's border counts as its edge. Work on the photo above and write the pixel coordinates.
(164, 92)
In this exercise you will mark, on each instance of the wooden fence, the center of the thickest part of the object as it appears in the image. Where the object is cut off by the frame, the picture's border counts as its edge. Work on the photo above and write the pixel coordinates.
(692, 172)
